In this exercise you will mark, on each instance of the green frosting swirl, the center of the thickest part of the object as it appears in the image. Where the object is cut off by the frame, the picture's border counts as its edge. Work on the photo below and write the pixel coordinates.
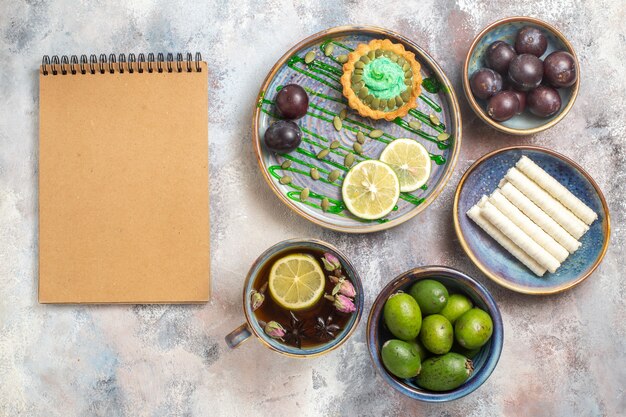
(383, 78)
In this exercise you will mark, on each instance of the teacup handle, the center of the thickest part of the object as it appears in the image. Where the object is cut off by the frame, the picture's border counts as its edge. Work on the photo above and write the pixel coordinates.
(238, 336)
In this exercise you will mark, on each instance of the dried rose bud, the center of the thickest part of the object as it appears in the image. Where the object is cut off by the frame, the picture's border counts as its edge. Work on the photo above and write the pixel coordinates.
(346, 288)
(256, 300)
(344, 304)
(274, 330)
(343, 286)
(330, 262)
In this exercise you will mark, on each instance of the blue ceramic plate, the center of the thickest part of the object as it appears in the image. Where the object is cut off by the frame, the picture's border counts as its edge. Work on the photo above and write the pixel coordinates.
(483, 177)
(506, 30)
(321, 80)
(456, 282)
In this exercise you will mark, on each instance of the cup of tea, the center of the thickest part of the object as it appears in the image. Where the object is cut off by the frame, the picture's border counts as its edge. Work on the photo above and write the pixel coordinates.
(301, 298)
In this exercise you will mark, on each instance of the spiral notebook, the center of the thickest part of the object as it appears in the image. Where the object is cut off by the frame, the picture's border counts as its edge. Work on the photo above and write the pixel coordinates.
(123, 179)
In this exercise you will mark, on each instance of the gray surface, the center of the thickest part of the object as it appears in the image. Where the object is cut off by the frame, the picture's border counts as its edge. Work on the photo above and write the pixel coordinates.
(563, 355)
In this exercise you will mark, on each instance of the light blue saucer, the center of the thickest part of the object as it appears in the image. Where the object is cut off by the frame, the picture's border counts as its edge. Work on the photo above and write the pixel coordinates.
(482, 178)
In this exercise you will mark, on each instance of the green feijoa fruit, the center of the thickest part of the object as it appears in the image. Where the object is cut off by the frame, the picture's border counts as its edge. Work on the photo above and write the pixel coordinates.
(457, 305)
(431, 295)
(424, 353)
(468, 353)
(400, 358)
(436, 334)
(443, 373)
(473, 329)
(402, 316)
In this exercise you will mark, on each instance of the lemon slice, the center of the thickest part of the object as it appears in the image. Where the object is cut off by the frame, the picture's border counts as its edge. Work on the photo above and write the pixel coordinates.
(410, 161)
(370, 189)
(296, 281)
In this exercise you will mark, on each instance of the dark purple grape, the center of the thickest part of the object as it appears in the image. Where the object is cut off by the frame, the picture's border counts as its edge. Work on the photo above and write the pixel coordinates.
(292, 101)
(531, 40)
(544, 101)
(526, 72)
(521, 98)
(502, 106)
(560, 69)
(283, 136)
(498, 56)
(485, 83)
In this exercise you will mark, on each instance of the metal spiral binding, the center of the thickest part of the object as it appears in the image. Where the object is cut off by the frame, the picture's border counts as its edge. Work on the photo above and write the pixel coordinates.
(64, 64)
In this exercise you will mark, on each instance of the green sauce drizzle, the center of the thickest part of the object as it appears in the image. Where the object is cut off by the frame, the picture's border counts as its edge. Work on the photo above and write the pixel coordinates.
(431, 84)
(382, 87)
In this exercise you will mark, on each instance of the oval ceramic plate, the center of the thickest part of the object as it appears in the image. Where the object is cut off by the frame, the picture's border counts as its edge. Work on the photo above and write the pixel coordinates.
(482, 178)
(321, 80)
(506, 30)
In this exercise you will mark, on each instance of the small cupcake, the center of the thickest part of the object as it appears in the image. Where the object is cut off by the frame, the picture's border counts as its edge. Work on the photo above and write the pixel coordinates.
(381, 80)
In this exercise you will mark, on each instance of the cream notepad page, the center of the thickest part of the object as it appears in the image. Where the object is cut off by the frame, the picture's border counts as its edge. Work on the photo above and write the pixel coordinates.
(123, 187)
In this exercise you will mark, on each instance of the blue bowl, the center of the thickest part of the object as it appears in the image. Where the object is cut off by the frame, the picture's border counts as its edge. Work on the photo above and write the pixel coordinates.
(483, 177)
(456, 282)
(506, 30)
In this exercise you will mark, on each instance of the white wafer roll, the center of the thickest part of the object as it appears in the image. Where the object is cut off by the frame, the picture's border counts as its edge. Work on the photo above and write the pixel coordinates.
(547, 203)
(521, 239)
(540, 218)
(505, 242)
(535, 232)
(556, 189)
